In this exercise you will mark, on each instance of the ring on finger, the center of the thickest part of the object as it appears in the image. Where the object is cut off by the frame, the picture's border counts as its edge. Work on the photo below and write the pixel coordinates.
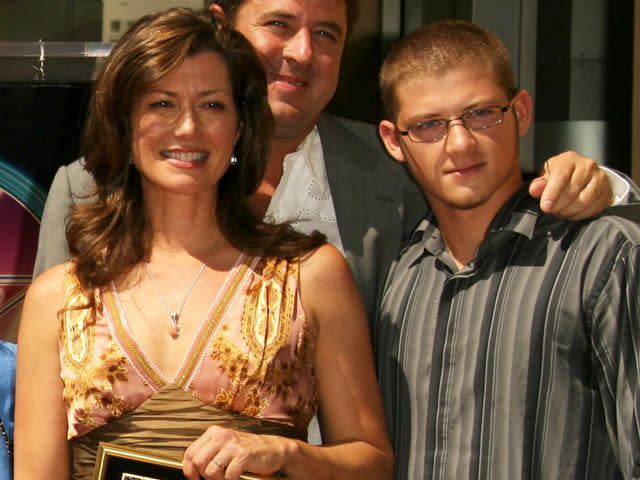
(592, 188)
(221, 466)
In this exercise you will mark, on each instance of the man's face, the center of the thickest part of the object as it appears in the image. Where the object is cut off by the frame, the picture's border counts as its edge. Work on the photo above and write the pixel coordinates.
(466, 169)
(300, 43)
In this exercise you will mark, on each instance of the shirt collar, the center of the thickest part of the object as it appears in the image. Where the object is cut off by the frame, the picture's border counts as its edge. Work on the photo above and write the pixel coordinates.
(310, 151)
(519, 215)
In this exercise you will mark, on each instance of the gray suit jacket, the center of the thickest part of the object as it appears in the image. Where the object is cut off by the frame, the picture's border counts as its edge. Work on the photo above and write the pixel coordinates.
(71, 184)
(376, 204)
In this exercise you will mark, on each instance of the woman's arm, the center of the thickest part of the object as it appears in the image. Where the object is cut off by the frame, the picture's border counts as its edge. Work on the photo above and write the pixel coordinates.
(351, 413)
(41, 448)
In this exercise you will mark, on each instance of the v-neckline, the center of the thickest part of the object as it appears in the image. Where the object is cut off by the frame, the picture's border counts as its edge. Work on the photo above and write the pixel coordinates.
(147, 368)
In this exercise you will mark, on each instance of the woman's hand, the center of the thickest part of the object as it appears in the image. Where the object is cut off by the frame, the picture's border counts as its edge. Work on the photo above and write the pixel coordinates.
(222, 453)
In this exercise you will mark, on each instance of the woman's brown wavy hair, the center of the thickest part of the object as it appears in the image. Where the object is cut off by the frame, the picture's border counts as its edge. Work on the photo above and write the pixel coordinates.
(109, 234)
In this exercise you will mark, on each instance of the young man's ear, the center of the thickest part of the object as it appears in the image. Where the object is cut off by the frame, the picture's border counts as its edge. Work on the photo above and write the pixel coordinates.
(390, 139)
(216, 10)
(523, 110)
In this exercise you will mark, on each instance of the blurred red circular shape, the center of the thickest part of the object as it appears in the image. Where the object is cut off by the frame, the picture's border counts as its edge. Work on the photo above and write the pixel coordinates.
(18, 244)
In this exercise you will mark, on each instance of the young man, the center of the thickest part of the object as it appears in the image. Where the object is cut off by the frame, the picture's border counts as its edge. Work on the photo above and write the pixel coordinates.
(508, 341)
(326, 173)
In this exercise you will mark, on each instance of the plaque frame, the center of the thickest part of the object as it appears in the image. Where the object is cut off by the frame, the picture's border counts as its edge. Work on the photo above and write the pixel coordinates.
(116, 462)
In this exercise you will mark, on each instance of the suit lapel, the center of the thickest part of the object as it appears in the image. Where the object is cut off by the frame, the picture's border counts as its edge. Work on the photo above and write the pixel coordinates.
(343, 154)
(367, 191)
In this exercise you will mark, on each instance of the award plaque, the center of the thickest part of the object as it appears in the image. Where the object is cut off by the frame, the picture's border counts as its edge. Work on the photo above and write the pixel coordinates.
(115, 462)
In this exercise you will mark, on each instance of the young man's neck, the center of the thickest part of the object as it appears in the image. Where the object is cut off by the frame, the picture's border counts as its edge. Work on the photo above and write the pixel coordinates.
(463, 230)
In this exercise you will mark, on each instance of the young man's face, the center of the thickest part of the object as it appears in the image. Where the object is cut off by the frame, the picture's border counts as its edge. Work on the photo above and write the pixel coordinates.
(300, 43)
(466, 169)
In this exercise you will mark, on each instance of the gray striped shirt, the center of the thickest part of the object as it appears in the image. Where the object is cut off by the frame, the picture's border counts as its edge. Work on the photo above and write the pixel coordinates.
(525, 363)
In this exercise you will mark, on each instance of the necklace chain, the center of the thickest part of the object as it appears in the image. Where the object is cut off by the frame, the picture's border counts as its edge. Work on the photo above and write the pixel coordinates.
(174, 328)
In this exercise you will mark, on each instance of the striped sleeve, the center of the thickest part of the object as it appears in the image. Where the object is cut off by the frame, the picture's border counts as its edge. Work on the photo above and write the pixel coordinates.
(615, 338)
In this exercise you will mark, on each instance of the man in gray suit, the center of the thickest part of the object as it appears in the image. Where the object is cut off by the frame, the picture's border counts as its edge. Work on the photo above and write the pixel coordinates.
(326, 173)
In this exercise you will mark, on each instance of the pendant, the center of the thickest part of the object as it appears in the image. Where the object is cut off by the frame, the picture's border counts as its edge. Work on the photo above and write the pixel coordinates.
(174, 328)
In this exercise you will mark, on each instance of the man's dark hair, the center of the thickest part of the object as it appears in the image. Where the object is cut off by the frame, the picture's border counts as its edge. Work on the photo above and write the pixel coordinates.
(231, 7)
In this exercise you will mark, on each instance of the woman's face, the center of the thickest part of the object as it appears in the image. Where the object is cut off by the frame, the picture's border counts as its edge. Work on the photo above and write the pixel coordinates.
(185, 127)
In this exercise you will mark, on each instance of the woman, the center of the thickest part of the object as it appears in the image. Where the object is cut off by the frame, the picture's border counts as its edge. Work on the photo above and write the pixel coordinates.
(181, 310)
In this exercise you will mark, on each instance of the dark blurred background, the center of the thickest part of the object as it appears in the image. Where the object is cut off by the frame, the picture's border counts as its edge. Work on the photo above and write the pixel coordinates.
(574, 56)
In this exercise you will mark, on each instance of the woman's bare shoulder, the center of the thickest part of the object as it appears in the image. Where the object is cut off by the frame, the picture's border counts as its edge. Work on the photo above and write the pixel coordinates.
(50, 283)
(327, 286)
(45, 296)
(323, 263)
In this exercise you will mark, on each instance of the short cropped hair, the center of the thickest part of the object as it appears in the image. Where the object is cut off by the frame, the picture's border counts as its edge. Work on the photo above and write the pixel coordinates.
(230, 8)
(439, 47)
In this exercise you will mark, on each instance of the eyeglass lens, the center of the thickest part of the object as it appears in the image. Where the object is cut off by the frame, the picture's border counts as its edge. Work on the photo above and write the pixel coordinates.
(434, 130)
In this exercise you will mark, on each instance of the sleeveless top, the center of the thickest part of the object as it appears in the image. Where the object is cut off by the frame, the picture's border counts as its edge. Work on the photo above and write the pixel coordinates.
(253, 354)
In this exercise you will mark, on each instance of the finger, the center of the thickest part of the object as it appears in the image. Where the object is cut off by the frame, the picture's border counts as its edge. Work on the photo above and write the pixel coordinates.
(593, 203)
(602, 183)
(585, 206)
(216, 469)
(189, 471)
(536, 187)
(592, 200)
(235, 468)
(201, 452)
(559, 190)
(568, 174)
(230, 462)
(589, 174)
(199, 468)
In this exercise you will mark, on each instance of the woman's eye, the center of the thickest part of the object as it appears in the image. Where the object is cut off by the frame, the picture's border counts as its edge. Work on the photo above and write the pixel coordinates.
(160, 104)
(215, 105)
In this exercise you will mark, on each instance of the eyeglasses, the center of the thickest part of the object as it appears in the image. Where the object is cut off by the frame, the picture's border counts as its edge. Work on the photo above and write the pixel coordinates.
(432, 131)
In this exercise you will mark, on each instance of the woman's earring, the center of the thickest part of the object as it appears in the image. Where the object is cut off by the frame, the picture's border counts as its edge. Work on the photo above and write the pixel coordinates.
(234, 160)
(130, 159)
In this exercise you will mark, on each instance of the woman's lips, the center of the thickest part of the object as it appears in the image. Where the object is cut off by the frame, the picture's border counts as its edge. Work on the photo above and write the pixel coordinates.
(184, 156)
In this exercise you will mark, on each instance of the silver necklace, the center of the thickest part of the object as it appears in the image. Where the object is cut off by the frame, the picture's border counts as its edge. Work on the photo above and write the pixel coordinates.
(174, 328)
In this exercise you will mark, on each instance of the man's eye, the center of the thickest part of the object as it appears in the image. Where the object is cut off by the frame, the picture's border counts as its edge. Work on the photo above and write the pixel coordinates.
(328, 35)
(276, 23)
(428, 125)
(481, 112)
